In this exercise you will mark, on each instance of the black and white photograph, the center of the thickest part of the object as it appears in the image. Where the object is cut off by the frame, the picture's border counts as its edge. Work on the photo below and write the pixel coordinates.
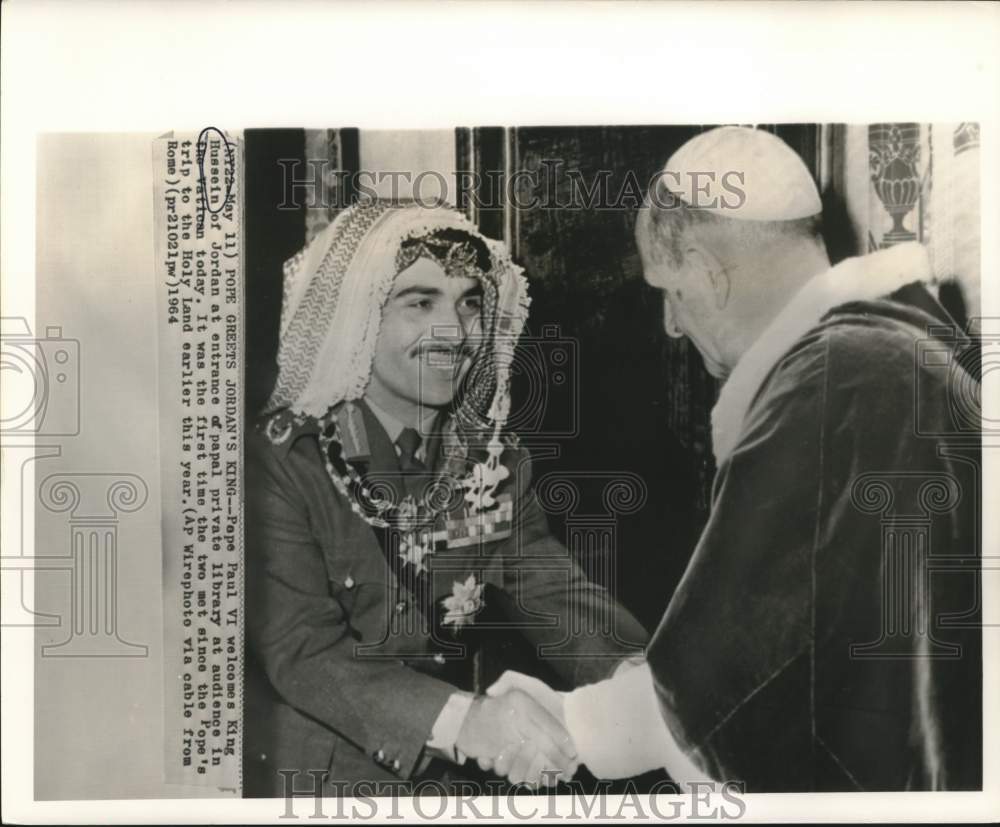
(716, 304)
(582, 464)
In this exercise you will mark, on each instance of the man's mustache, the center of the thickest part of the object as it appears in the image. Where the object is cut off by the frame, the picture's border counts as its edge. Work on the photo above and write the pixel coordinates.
(447, 352)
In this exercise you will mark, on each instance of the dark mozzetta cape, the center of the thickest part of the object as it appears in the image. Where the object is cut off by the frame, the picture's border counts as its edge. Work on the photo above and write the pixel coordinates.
(334, 683)
(824, 636)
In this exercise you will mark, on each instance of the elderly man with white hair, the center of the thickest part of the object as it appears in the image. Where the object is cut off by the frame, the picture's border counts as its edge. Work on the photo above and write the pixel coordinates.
(824, 636)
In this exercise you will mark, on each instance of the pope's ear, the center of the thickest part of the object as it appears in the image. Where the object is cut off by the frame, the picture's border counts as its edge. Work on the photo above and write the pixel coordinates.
(709, 270)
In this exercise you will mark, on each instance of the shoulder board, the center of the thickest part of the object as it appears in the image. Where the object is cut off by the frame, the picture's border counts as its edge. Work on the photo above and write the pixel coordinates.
(283, 427)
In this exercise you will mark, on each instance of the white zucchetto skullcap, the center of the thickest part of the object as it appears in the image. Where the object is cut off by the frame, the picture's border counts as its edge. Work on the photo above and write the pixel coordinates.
(742, 173)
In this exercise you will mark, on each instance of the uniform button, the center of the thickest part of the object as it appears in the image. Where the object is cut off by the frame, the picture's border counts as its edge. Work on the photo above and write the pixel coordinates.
(439, 658)
(349, 582)
(380, 756)
(395, 765)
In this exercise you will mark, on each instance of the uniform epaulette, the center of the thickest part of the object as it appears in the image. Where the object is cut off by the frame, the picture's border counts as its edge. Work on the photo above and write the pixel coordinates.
(283, 427)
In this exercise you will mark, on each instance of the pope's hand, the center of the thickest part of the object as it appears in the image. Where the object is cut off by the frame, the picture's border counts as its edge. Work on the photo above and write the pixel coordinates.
(517, 738)
(616, 724)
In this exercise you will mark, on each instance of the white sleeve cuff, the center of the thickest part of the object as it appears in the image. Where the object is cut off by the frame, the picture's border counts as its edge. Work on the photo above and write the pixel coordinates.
(448, 725)
(619, 730)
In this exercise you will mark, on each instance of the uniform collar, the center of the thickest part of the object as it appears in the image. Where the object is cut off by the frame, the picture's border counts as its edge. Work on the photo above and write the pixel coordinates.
(393, 427)
(359, 422)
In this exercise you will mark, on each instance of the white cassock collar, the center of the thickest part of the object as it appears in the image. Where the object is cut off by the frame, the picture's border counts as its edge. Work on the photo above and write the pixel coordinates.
(864, 278)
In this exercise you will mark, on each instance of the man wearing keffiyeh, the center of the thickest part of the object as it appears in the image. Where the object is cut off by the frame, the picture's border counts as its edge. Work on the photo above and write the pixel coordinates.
(392, 524)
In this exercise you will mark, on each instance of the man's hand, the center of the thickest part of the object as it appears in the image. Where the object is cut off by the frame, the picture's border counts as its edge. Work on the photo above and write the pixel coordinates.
(538, 690)
(518, 739)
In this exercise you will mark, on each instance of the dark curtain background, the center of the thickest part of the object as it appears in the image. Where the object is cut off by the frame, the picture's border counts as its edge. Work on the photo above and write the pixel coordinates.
(275, 231)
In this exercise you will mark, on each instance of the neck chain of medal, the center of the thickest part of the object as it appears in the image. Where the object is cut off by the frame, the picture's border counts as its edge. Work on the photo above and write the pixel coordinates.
(351, 484)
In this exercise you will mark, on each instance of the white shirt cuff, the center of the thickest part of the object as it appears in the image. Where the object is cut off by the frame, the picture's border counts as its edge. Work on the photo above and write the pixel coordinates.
(448, 725)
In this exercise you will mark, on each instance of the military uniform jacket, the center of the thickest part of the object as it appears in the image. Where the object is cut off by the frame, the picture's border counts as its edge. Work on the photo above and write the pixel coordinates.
(341, 675)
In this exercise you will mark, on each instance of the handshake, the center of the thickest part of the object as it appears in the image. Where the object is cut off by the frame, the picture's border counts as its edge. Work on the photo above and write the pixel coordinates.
(529, 733)
(518, 730)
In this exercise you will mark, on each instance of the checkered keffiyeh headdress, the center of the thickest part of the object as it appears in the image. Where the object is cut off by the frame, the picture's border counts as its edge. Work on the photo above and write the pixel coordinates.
(334, 292)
